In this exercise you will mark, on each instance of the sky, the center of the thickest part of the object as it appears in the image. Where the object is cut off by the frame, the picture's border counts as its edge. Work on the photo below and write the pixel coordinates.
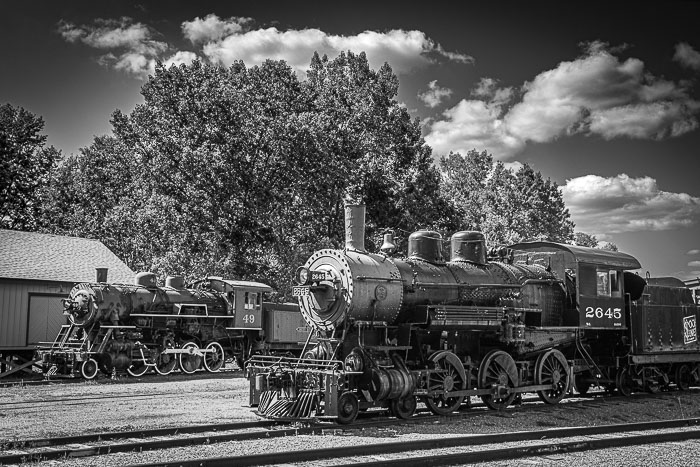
(600, 97)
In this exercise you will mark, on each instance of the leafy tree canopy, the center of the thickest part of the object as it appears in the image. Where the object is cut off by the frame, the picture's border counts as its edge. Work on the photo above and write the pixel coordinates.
(507, 206)
(243, 172)
(25, 167)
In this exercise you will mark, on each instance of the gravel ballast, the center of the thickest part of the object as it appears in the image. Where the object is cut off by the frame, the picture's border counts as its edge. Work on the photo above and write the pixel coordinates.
(153, 402)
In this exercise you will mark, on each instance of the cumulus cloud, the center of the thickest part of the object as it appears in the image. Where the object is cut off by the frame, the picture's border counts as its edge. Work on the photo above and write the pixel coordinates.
(403, 50)
(434, 95)
(687, 56)
(694, 264)
(693, 252)
(128, 46)
(131, 46)
(472, 124)
(625, 204)
(596, 94)
(212, 28)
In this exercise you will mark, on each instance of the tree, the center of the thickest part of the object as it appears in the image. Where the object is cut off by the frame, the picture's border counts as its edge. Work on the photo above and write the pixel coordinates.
(25, 167)
(243, 172)
(506, 206)
(584, 239)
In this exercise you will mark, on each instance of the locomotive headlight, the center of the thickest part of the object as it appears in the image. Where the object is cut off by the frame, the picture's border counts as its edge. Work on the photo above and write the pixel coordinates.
(302, 275)
(353, 362)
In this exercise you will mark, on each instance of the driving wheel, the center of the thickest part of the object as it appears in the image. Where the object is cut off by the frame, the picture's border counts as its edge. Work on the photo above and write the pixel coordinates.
(552, 369)
(498, 369)
(189, 360)
(214, 357)
(449, 375)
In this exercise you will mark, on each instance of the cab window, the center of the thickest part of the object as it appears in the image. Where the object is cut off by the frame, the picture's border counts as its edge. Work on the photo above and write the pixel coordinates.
(251, 300)
(603, 283)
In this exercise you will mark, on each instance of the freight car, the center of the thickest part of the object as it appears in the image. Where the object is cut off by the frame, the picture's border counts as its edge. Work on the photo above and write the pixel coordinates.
(135, 328)
(536, 317)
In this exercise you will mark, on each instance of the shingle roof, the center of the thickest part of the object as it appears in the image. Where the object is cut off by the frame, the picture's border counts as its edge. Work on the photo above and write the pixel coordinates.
(35, 256)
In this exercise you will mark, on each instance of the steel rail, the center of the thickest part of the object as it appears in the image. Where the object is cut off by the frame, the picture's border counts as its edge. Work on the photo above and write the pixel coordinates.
(336, 453)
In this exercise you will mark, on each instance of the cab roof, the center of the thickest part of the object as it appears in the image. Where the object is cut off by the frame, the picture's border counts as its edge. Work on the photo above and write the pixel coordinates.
(582, 254)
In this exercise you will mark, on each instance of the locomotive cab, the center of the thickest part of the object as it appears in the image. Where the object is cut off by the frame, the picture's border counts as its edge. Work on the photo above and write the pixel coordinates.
(594, 278)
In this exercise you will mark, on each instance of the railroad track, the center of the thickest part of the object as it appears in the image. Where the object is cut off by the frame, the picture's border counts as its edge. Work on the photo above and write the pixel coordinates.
(39, 380)
(14, 451)
(43, 404)
(469, 449)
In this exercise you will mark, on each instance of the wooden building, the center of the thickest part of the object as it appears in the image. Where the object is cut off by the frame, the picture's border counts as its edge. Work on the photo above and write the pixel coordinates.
(36, 272)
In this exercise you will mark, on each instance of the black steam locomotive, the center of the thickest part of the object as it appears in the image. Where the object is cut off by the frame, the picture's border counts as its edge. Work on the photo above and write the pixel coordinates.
(139, 327)
(537, 317)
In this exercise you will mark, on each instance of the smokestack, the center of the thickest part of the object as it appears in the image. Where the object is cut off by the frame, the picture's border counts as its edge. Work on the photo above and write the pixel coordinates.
(101, 274)
(355, 227)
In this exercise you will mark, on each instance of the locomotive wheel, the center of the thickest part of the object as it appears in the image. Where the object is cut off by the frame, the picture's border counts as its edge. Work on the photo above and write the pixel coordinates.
(137, 368)
(214, 358)
(89, 368)
(189, 362)
(403, 408)
(348, 408)
(624, 382)
(683, 377)
(165, 364)
(552, 368)
(498, 369)
(450, 377)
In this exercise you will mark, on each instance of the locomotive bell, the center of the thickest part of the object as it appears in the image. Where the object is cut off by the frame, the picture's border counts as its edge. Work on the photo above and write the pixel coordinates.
(388, 247)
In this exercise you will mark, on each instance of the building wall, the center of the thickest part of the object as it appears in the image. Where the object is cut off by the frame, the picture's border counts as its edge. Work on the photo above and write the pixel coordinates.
(14, 307)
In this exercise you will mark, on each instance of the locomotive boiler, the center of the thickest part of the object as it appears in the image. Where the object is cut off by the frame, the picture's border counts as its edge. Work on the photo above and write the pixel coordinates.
(138, 327)
(390, 331)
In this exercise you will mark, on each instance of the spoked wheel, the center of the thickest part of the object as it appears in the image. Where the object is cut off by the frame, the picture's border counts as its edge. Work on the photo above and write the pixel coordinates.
(137, 368)
(684, 377)
(498, 369)
(89, 368)
(214, 357)
(450, 376)
(165, 364)
(348, 408)
(552, 369)
(190, 361)
(403, 408)
(624, 382)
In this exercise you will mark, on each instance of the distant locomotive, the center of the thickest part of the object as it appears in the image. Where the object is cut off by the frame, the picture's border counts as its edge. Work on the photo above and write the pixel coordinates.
(133, 328)
(536, 317)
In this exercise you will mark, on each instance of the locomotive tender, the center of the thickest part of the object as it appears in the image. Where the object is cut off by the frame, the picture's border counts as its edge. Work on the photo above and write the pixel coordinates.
(117, 327)
(537, 317)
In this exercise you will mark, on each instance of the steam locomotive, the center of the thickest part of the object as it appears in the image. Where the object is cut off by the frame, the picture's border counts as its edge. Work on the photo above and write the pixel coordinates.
(537, 317)
(135, 328)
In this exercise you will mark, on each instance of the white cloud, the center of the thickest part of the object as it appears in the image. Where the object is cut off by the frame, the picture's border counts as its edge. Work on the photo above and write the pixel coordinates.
(694, 264)
(403, 50)
(212, 28)
(434, 95)
(624, 204)
(693, 252)
(130, 46)
(472, 124)
(594, 94)
(180, 58)
(687, 56)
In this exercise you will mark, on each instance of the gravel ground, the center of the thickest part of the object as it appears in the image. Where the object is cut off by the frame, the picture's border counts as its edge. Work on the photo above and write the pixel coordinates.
(82, 408)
